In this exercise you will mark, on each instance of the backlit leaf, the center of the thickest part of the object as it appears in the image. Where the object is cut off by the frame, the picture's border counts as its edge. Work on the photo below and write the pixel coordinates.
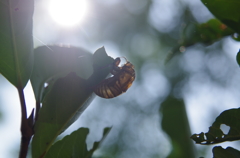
(52, 62)
(215, 134)
(238, 58)
(229, 152)
(63, 103)
(16, 48)
(74, 145)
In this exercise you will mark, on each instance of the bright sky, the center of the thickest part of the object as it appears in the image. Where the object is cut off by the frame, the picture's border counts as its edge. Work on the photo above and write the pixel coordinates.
(68, 13)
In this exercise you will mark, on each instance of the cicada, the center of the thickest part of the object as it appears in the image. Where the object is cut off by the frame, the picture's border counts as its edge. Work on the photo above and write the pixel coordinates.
(119, 83)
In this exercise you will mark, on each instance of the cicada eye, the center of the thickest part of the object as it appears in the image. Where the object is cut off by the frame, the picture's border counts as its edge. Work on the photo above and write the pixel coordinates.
(117, 62)
(115, 68)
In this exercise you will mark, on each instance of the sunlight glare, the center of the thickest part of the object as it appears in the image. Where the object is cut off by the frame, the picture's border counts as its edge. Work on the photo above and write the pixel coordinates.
(68, 12)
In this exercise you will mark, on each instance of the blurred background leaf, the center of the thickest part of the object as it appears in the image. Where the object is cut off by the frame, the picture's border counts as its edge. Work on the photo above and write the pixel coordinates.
(175, 124)
(205, 33)
(227, 12)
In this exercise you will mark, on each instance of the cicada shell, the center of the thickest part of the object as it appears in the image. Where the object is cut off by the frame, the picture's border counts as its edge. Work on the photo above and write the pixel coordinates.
(119, 83)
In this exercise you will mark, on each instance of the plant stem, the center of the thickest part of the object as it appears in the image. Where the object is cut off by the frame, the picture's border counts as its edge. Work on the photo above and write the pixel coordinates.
(37, 110)
(26, 126)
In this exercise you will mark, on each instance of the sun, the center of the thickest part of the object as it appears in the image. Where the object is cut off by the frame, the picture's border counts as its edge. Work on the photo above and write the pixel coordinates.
(68, 12)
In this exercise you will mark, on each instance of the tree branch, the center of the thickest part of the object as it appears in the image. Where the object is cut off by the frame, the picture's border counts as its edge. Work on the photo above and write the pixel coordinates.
(26, 126)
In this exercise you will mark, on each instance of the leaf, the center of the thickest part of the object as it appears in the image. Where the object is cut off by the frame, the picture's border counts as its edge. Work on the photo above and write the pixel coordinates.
(229, 152)
(66, 98)
(74, 145)
(225, 10)
(101, 65)
(52, 62)
(63, 103)
(16, 48)
(238, 58)
(215, 134)
(205, 33)
(175, 124)
(236, 37)
(212, 30)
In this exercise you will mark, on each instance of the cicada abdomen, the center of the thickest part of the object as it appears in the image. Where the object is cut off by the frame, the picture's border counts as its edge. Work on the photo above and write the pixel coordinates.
(119, 83)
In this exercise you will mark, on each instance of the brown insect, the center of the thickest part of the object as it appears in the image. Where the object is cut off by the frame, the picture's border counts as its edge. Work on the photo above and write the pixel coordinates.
(119, 83)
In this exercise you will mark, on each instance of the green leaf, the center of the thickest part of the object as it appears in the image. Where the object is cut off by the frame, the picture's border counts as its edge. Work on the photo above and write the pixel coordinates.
(225, 10)
(63, 103)
(67, 98)
(238, 58)
(212, 30)
(229, 152)
(205, 33)
(175, 124)
(215, 134)
(52, 62)
(101, 66)
(16, 48)
(74, 145)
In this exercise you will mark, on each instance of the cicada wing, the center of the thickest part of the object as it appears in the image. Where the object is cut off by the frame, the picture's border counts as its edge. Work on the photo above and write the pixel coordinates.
(108, 88)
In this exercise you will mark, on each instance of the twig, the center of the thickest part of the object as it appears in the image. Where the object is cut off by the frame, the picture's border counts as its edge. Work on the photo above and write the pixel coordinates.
(26, 126)
(37, 110)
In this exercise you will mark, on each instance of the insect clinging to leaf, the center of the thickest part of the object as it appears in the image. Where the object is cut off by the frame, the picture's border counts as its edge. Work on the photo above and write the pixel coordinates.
(119, 83)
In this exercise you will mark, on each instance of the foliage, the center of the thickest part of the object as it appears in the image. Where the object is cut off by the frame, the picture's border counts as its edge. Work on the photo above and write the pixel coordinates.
(68, 94)
(215, 134)
(175, 107)
(205, 33)
(219, 152)
(227, 12)
(16, 47)
(74, 145)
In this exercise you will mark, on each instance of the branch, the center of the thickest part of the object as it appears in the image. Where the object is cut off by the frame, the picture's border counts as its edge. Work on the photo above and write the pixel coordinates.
(26, 126)
(37, 110)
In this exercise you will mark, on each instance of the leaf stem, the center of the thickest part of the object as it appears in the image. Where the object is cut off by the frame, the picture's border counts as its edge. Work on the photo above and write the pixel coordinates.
(26, 126)
(37, 110)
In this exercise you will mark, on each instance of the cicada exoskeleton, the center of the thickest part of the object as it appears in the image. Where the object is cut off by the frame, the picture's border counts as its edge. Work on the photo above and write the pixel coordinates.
(119, 83)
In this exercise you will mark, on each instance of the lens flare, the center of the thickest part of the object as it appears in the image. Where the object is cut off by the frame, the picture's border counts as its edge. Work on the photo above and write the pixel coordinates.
(68, 12)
